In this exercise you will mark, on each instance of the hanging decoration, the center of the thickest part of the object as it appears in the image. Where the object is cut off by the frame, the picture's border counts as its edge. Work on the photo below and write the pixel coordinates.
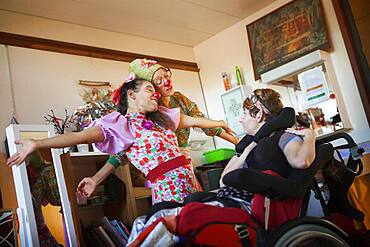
(97, 102)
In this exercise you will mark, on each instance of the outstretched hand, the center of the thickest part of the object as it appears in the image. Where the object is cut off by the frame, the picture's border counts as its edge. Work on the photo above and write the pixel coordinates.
(226, 127)
(28, 146)
(86, 187)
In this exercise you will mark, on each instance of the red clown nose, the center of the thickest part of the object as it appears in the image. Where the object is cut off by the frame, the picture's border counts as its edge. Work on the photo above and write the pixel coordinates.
(157, 95)
(167, 83)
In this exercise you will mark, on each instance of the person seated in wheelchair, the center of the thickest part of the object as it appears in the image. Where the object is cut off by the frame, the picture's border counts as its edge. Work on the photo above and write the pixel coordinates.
(290, 158)
(278, 153)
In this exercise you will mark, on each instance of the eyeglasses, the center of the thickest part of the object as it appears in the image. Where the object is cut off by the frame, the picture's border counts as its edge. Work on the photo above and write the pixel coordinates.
(254, 98)
(158, 81)
(257, 103)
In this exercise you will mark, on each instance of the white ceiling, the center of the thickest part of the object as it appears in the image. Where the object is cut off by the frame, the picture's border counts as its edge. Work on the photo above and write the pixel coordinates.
(183, 22)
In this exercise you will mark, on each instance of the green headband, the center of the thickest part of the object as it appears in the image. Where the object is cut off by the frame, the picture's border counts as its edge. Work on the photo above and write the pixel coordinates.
(144, 68)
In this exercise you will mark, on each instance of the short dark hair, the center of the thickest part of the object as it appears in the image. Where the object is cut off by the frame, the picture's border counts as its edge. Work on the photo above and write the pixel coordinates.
(268, 98)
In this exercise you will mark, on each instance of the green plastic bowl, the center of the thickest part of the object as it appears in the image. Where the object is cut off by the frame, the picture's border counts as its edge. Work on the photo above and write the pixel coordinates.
(218, 154)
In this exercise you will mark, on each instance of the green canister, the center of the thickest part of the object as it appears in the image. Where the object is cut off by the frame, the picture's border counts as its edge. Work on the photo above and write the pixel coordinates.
(238, 76)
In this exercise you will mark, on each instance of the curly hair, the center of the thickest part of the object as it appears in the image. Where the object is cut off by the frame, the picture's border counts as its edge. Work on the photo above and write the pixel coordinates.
(269, 98)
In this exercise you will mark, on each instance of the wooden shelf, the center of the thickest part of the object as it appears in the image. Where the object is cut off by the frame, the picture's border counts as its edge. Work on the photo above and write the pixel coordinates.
(98, 204)
(78, 165)
(142, 192)
(79, 154)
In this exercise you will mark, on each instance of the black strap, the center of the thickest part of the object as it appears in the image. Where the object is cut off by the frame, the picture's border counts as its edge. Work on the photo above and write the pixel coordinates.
(243, 233)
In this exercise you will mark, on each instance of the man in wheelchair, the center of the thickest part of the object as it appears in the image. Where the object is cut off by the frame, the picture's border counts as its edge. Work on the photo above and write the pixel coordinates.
(265, 190)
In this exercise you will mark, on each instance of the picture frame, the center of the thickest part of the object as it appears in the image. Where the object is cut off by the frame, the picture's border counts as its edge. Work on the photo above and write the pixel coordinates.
(232, 103)
(285, 34)
(25, 211)
(314, 86)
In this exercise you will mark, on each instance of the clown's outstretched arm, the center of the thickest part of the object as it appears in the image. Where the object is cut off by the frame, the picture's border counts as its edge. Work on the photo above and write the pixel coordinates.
(88, 184)
(228, 137)
(90, 135)
(200, 122)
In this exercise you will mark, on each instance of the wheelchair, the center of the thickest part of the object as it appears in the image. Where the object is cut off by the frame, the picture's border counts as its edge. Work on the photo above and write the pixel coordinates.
(304, 230)
(274, 196)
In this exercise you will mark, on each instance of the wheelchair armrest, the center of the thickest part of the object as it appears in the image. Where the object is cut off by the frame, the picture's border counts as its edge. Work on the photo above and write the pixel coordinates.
(354, 161)
(255, 181)
(336, 136)
(279, 188)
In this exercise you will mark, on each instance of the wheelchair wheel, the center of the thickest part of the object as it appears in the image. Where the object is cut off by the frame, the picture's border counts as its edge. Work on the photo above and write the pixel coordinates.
(310, 235)
(307, 231)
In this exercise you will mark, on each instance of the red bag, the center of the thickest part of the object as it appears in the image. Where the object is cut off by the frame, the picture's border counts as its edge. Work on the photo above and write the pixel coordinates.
(216, 226)
(280, 210)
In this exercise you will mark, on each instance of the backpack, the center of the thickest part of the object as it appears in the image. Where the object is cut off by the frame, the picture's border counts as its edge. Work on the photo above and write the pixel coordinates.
(203, 224)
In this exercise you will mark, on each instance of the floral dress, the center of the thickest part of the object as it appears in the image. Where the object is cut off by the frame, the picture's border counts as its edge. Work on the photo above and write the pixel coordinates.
(148, 148)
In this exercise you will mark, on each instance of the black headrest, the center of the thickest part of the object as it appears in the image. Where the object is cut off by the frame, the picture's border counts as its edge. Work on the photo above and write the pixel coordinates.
(283, 120)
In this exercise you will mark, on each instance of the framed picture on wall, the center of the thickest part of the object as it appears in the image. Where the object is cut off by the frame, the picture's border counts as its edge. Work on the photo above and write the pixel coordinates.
(287, 33)
(232, 102)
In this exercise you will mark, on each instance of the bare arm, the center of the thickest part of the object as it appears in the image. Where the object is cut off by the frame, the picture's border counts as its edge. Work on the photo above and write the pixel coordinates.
(301, 155)
(90, 135)
(188, 121)
(103, 173)
(200, 122)
(88, 184)
(228, 137)
(237, 162)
